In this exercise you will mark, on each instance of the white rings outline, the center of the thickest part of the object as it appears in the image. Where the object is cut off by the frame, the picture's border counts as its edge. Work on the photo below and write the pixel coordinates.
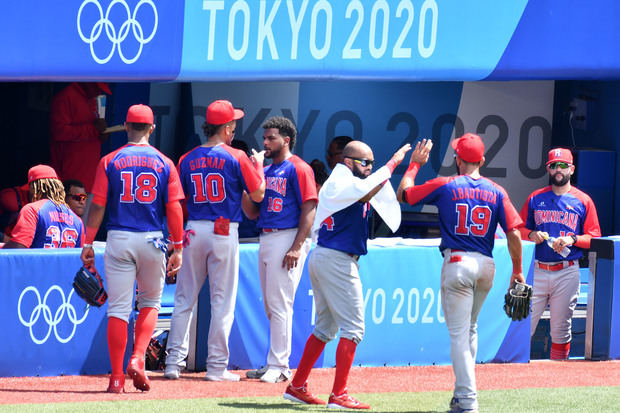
(43, 308)
(110, 30)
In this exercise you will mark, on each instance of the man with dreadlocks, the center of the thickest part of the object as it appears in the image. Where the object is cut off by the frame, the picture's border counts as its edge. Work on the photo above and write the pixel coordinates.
(46, 222)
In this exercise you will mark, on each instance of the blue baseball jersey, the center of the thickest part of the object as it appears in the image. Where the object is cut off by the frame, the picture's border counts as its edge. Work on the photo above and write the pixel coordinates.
(572, 213)
(139, 181)
(214, 179)
(287, 186)
(43, 224)
(469, 211)
(347, 229)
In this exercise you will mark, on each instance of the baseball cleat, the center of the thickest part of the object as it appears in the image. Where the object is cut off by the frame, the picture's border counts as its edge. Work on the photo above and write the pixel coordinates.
(135, 370)
(172, 371)
(224, 376)
(117, 383)
(455, 408)
(274, 376)
(256, 374)
(344, 401)
(301, 395)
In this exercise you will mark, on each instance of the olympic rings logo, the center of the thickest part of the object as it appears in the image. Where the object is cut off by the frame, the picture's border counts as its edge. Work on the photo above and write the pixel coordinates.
(115, 37)
(42, 309)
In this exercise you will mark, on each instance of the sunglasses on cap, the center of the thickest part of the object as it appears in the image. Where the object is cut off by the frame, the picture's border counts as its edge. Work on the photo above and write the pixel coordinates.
(361, 161)
(561, 165)
(79, 197)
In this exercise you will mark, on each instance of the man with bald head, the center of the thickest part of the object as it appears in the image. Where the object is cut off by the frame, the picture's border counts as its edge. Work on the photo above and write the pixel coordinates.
(341, 221)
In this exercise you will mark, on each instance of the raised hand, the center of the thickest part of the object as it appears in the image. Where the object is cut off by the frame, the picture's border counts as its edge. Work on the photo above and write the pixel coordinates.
(421, 152)
(399, 155)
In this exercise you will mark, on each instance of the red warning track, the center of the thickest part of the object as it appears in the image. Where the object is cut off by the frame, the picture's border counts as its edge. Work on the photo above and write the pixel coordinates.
(362, 380)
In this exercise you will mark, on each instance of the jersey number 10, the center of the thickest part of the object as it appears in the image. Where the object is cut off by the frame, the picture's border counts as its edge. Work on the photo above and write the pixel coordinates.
(209, 188)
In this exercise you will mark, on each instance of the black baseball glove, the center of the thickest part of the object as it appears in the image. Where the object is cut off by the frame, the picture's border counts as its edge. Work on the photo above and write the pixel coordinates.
(517, 301)
(89, 286)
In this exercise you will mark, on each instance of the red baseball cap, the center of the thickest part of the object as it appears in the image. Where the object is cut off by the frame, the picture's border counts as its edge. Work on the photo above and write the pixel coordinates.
(560, 155)
(221, 112)
(41, 172)
(469, 147)
(140, 114)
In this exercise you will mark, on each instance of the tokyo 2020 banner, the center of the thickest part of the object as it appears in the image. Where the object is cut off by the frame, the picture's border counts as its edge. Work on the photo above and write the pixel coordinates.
(308, 39)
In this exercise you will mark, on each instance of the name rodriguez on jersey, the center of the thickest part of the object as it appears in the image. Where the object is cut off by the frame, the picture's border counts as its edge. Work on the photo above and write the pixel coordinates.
(144, 161)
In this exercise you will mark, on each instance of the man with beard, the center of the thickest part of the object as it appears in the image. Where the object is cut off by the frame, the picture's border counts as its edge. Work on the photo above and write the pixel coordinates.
(342, 224)
(568, 215)
(285, 216)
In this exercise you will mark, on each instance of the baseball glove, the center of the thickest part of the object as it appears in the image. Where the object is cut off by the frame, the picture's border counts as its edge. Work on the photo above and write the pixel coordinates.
(517, 301)
(89, 286)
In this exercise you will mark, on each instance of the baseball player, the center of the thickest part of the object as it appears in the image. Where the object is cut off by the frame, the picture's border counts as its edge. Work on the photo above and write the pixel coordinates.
(75, 196)
(342, 224)
(141, 185)
(46, 222)
(564, 212)
(214, 176)
(470, 207)
(285, 217)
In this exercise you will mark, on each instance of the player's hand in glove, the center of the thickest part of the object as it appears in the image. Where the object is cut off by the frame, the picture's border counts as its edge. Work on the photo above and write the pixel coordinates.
(89, 286)
(517, 301)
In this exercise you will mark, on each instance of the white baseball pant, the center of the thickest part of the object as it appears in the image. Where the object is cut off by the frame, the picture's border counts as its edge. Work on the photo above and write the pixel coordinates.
(338, 295)
(130, 257)
(279, 285)
(559, 289)
(466, 278)
(217, 256)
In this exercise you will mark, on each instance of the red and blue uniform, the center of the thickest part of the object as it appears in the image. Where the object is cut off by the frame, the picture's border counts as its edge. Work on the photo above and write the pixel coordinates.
(572, 213)
(140, 181)
(470, 210)
(287, 186)
(556, 278)
(214, 179)
(43, 224)
(346, 230)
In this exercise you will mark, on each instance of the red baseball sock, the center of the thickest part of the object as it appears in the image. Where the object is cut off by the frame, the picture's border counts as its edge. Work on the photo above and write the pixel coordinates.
(145, 325)
(117, 341)
(559, 351)
(344, 360)
(312, 351)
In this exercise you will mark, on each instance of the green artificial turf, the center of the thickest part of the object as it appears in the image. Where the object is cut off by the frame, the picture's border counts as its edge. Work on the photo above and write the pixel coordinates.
(560, 400)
